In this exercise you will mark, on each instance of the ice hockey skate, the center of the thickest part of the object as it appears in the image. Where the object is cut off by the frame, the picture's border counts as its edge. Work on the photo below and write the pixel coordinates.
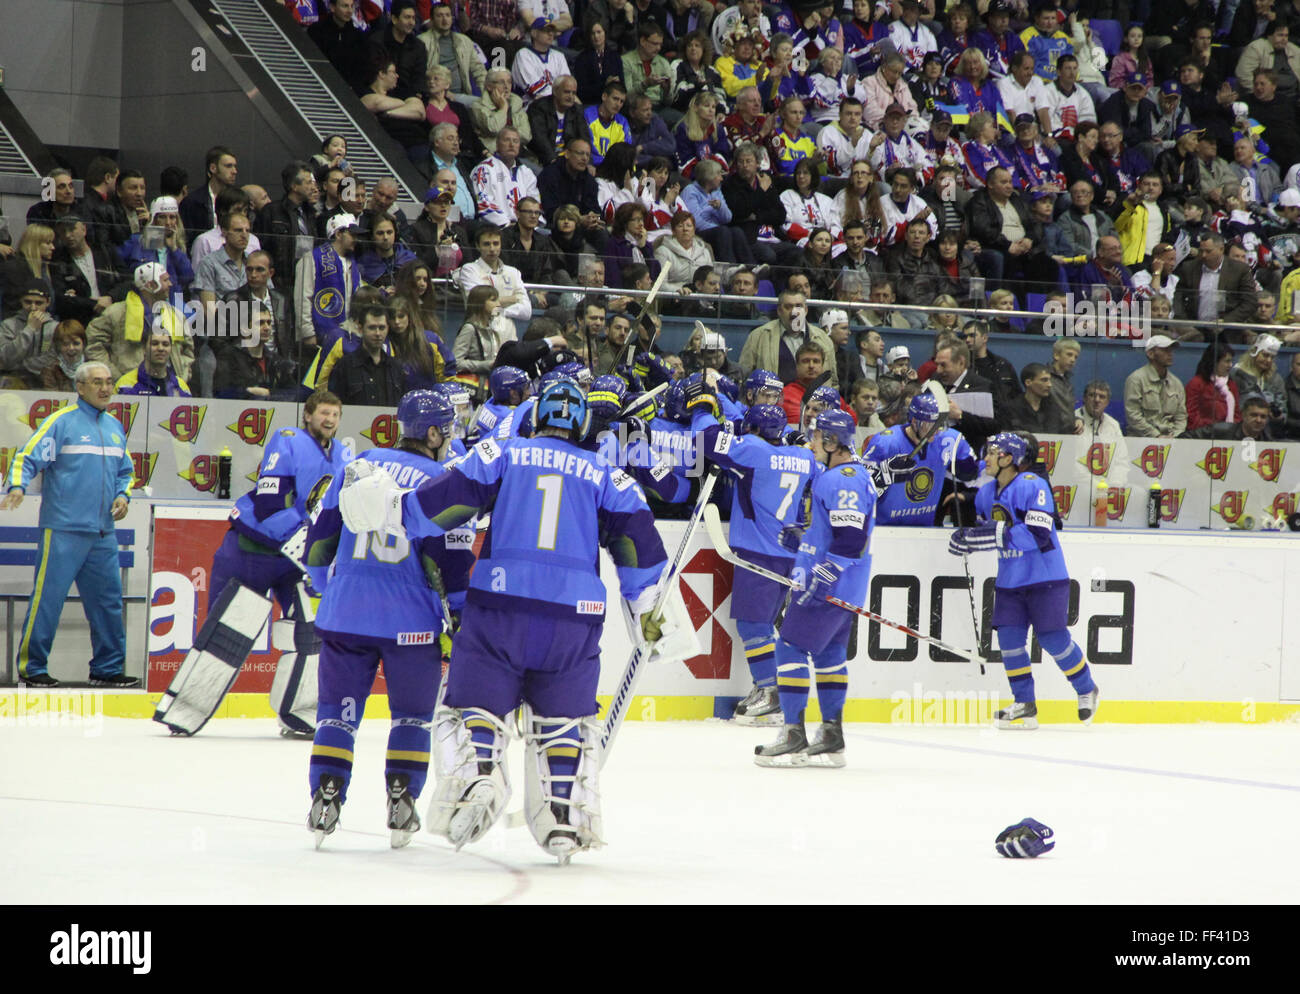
(324, 817)
(827, 746)
(791, 749)
(761, 706)
(1019, 717)
(1088, 706)
(403, 821)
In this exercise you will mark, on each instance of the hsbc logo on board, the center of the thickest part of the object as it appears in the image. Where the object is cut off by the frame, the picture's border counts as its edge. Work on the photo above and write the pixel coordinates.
(705, 585)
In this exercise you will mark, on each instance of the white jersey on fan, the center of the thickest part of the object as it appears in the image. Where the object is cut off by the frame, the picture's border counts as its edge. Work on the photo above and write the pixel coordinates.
(903, 151)
(913, 44)
(828, 91)
(499, 188)
(534, 72)
(839, 151)
(803, 214)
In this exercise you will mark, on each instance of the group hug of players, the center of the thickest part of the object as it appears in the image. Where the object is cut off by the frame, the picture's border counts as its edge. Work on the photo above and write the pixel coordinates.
(370, 558)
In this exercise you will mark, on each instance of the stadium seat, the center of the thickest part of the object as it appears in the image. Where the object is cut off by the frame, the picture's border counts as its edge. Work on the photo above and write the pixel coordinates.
(766, 289)
(1035, 302)
(1109, 33)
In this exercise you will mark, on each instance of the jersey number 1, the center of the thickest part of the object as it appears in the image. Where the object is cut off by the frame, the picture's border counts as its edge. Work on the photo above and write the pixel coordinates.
(552, 488)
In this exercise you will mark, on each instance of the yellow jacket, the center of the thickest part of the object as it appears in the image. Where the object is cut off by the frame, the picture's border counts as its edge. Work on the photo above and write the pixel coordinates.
(1131, 226)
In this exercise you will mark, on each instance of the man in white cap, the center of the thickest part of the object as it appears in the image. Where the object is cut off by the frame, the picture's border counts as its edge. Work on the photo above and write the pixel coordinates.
(1155, 401)
(898, 362)
(119, 337)
(325, 281)
(1257, 374)
(170, 250)
(713, 355)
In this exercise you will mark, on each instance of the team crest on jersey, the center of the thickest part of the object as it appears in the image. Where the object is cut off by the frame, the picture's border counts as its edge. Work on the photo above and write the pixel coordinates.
(1284, 504)
(1097, 458)
(1216, 461)
(1231, 506)
(1064, 497)
(201, 473)
(383, 431)
(919, 485)
(328, 303)
(124, 412)
(253, 424)
(1047, 453)
(1152, 460)
(185, 422)
(1117, 502)
(142, 464)
(1171, 504)
(849, 471)
(318, 491)
(42, 409)
(1269, 464)
(1000, 513)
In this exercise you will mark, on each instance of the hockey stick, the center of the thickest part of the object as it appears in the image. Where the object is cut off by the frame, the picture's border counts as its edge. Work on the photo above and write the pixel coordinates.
(713, 525)
(632, 671)
(642, 398)
(974, 615)
(634, 334)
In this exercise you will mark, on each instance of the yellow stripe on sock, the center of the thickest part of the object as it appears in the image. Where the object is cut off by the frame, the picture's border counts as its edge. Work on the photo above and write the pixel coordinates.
(791, 681)
(562, 752)
(403, 754)
(1082, 664)
(832, 678)
(479, 723)
(760, 650)
(24, 647)
(331, 752)
(1020, 672)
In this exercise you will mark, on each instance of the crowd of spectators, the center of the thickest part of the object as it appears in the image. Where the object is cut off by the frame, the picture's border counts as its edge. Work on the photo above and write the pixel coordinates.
(870, 154)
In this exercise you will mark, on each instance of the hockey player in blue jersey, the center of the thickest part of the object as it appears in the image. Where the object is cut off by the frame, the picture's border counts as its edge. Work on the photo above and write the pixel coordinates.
(942, 452)
(834, 559)
(260, 553)
(1032, 587)
(623, 441)
(509, 388)
(382, 597)
(770, 481)
(530, 634)
(458, 396)
(762, 386)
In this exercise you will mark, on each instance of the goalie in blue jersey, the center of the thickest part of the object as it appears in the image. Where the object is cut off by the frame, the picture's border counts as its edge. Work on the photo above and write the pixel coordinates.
(530, 633)
(384, 597)
(1033, 588)
(942, 452)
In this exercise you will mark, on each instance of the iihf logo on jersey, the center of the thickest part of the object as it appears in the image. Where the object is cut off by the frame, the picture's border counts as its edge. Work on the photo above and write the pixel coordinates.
(383, 431)
(1047, 454)
(42, 409)
(1269, 464)
(186, 422)
(1216, 461)
(124, 412)
(253, 424)
(142, 464)
(1064, 497)
(1231, 506)
(1097, 458)
(1152, 460)
(201, 473)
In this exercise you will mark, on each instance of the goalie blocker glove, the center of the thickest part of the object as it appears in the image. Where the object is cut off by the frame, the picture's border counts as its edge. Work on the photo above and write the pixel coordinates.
(1027, 839)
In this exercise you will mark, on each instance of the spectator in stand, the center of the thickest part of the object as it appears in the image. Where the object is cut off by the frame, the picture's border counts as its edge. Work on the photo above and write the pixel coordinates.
(123, 214)
(1000, 373)
(31, 261)
(570, 241)
(402, 117)
(1155, 401)
(68, 347)
(84, 278)
(223, 272)
(884, 88)
(254, 369)
(384, 255)
(892, 148)
(536, 67)
(396, 43)
(341, 42)
(780, 80)
(154, 377)
(914, 269)
(956, 264)
(325, 280)
(600, 61)
(806, 208)
(199, 209)
(869, 363)
(1068, 103)
(416, 351)
(649, 135)
(1291, 432)
(788, 145)
(748, 123)
(500, 180)
(975, 88)
(287, 225)
(1213, 288)
(997, 43)
(258, 294)
(499, 108)
(232, 200)
(1278, 116)
(982, 153)
(743, 284)
(1024, 93)
(1082, 225)
(484, 331)
(1065, 356)
(968, 393)
(1134, 113)
(1180, 167)
(1107, 269)
(1143, 223)
(1036, 167)
(1035, 411)
(1254, 424)
(1084, 161)
(703, 200)
(1133, 57)
(440, 107)
(1256, 177)
(693, 72)
(118, 337)
(646, 71)
(1098, 426)
(164, 213)
(445, 153)
(1159, 280)
(773, 345)
(755, 205)
(682, 252)
(555, 119)
(25, 338)
(58, 199)
(741, 66)
(435, 238)
(818, 265)
(1012, 241)
(845, 140)
(415, 287)
(1256, 373)
(531, 252)
(864, 399)
(369, 375)
(101, 181)
(699, 136)
(628, 244)
(514, 302)
(810, 361)
(567, 181)
(605, 125)
(454, 52)
(1274, 52)
(1212, 394)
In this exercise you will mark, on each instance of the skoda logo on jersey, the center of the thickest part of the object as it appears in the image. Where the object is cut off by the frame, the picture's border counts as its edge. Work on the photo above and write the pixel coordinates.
(1064, 497)
(201, 473)
(1284, 505)
(185, 422)
(1117, 502)
(328, 303)
(1269, 464)
(1231, 506)
(1216, 461)
(1171, 504)
(124, 412)
(1097, 458)
(1152, 460)
(919, 485)
(142, 464)
(384, 431)
(42, 409)
(1047, 453)
(253, 424)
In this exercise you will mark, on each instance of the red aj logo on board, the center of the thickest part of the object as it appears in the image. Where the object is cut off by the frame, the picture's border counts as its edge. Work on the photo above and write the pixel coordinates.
(253, 424)
(1048, 451)
(1097, 458)
(1284, 504)
(1216, 461)
(124, 412)
(1152, 460)
(185, 423)
(142, 464)
(1269, 464)
(1231, 506)
(201, 473)
(1171, 504)
(1117, 502)
(1064, 497)
(42, 409)
(383, 431)
(716, 663)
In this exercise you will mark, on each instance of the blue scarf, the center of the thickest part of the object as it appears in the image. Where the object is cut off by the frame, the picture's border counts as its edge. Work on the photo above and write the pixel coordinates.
(329, 308)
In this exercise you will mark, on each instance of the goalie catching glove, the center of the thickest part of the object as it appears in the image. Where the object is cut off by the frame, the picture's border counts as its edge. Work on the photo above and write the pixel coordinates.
(1027, 839)
(370, 500)
(980, 538)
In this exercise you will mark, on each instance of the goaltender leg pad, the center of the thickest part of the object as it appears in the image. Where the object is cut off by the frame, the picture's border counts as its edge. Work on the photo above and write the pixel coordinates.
(561, 785)
(233, 625)
(294, 690)
(473, 781)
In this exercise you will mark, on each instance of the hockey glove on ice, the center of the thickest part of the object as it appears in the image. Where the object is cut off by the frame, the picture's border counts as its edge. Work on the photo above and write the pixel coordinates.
(1026, 839)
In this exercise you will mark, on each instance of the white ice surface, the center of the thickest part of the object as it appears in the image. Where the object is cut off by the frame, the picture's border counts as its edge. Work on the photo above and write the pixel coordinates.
(1203, 813)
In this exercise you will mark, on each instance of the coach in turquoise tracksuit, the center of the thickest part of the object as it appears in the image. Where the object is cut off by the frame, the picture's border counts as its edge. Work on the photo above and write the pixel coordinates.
(87, 482)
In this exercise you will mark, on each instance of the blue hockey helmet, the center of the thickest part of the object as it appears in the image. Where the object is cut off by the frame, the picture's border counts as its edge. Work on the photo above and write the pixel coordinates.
(1010, 443)
(767, 421)
(421, 410)
(924, 407)
(760, 380)
(505, 380)
(578, 372)
(826, 395)
(455, 393)
(606, 396)
(562, 404)
(726, 387)
(838, 425)
(675, 401)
